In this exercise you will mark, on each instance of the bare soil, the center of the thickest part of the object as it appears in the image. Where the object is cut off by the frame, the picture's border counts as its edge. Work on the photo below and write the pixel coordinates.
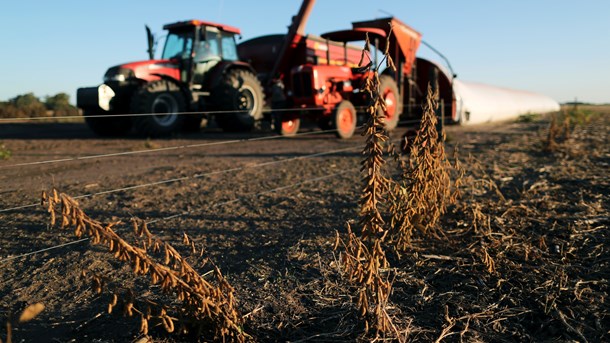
(525, 256)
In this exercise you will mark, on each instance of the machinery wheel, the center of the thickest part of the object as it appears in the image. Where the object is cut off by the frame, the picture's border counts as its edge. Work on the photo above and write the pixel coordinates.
(106, 126)
(239, 91)
(389, 93)
(287, 125)
(161, 97)
(344, 120)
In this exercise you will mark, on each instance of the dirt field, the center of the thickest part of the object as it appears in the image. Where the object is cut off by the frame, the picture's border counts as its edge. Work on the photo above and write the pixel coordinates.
(541, 219)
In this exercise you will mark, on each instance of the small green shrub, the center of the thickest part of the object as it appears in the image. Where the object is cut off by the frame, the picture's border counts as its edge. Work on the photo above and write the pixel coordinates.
(5, 153)
(580, 116)
(528, 118)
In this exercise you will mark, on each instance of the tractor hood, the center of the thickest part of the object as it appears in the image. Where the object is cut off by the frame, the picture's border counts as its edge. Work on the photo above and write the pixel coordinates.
(148, 70)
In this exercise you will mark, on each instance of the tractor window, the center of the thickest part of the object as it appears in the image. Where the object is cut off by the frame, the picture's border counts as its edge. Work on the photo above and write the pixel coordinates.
(211, 38)
(229, 49)
(178, 45)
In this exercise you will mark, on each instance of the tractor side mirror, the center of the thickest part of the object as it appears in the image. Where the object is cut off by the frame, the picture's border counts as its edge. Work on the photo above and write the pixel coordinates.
(151, 43)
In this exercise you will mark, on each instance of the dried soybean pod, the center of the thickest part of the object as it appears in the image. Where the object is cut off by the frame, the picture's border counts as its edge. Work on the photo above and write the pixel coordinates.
(129, 309)
(168, 324)
(136, 265)
(30, 312)
(166, 260)
(145, 267)
(52, 216)
(144, 326)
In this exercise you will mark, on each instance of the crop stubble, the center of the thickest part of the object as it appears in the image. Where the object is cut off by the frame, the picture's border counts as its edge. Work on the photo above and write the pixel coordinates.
(524, 255)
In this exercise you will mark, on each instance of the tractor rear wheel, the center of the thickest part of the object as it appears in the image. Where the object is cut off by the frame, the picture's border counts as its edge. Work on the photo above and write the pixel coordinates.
(344, 120)
(106, 126)
(241, 95)
(389, 92)
(162, 97)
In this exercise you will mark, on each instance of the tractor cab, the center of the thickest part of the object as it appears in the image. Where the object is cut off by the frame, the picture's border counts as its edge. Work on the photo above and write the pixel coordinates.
(198, 46)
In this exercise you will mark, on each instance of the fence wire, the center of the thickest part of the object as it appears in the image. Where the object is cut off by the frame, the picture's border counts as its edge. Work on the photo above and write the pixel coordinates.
(216, 205)
(179, 147)
(196, 176)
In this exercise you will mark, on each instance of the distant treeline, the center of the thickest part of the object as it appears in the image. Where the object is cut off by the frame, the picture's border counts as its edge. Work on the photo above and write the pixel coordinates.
(578, 103)
(29, 105)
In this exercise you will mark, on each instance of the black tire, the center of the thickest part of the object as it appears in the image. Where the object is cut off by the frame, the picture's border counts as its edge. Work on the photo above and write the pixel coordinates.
(389, 91)
(160, 96)
(344, 119)
(240, 90)
(106, 126)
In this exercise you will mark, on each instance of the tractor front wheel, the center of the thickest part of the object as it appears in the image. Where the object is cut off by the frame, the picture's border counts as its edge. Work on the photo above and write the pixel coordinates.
(160, 103)
(344, 120)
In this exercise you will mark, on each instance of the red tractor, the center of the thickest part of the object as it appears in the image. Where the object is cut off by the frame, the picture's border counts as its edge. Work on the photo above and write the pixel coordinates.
(199, 70)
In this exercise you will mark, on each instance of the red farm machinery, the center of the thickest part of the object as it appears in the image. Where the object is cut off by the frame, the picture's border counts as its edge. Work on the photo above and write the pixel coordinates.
(202, 71)
(199, 70)
(324, 79)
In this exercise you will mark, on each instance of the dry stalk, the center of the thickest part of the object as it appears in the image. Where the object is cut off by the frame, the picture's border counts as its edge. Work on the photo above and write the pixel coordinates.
(489, 262)
(364, 258)
(203, 304)
(558, 134)
(421, 196)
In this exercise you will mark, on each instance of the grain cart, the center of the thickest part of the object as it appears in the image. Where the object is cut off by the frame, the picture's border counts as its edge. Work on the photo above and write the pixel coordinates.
(324, 80)
(404, 91)
(199, 70)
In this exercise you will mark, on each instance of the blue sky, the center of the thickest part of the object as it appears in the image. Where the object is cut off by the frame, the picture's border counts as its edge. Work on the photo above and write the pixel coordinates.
(559, 48)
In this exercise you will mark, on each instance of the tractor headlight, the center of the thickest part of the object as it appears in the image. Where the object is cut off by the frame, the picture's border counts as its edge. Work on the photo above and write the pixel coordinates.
(116, 74)
(117, 77)
(104, 95)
